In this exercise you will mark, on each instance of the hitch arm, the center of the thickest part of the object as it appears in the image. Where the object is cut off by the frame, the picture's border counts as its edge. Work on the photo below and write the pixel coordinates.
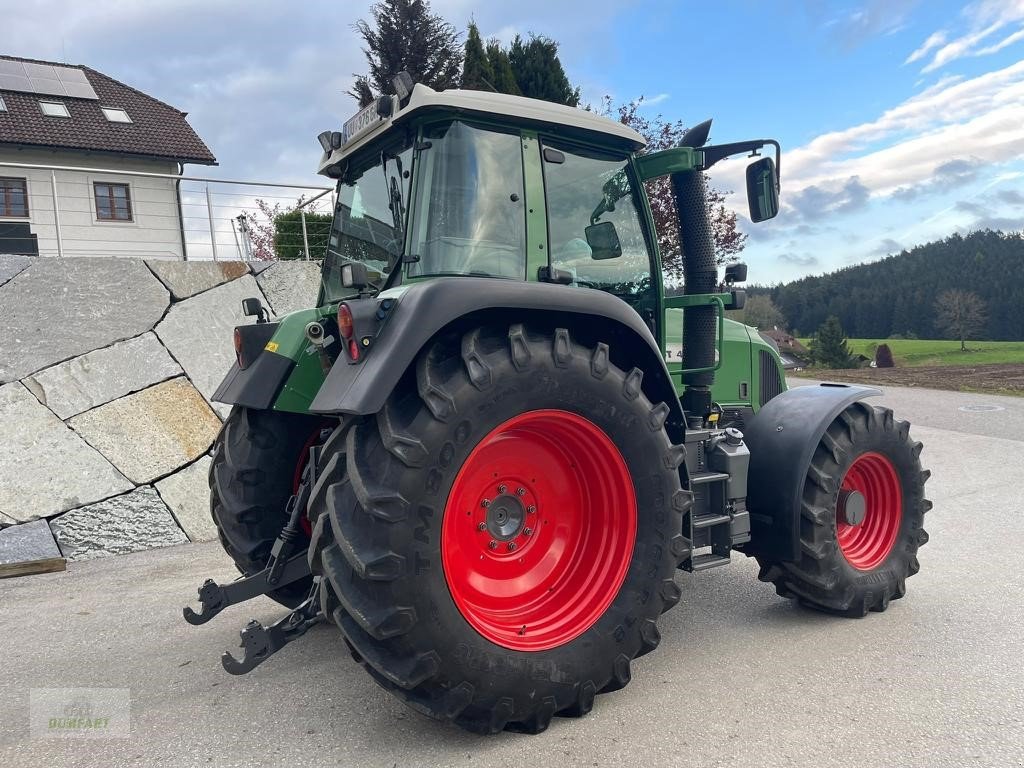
(214, 597)
(259, 643)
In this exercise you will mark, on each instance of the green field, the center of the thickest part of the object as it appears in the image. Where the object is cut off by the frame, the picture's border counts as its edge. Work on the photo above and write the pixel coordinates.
(912, 353)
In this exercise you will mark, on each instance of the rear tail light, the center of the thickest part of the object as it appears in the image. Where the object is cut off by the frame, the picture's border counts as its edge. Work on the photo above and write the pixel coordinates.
(345, 327)
(353, 350)
(238, 347)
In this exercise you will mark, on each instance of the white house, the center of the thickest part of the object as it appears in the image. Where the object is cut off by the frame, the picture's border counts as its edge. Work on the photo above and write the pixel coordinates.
(59, 115)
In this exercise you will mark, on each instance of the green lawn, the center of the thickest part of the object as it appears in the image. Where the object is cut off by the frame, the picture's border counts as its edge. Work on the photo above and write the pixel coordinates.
(911, 353)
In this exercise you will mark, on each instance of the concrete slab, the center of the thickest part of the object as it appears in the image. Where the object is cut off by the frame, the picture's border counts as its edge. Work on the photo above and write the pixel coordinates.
(61, 308)
(187, 493)
(45, 468)
(187, 278)
(29, 541)
(153, 432)
(103, 375)
(130, 523)
(11, 265)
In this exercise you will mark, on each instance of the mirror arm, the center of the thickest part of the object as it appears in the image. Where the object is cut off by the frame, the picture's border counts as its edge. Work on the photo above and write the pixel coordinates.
(715, 153)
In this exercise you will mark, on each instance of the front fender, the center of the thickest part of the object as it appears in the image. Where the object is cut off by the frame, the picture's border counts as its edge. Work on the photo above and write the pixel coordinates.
(425, 308)
(782, 438)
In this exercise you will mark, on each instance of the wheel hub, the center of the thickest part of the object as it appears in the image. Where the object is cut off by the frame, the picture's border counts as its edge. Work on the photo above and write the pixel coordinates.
(505, 518)
(852, 507)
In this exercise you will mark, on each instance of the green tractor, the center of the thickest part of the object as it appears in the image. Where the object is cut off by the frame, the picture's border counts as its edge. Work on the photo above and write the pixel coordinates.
(486, 451)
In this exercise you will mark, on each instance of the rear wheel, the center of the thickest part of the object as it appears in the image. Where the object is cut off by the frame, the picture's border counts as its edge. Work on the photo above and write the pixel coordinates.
(862, 517)
(258, 459)
(498, 542)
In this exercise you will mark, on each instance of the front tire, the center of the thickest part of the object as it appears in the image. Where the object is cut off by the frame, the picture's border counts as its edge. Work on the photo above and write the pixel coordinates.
(862, 517)
(420, 529)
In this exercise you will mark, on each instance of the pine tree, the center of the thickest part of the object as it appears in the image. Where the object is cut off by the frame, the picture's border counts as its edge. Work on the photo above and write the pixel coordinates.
(477, 72)
(405, 35)
(539, 71)
(828, 347)
(504, 78)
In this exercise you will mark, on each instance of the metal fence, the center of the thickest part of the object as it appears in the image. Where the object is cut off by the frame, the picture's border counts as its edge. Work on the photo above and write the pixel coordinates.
(58, 210)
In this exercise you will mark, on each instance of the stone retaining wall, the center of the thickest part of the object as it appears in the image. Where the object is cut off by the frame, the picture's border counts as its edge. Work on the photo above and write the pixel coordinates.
(106, 370)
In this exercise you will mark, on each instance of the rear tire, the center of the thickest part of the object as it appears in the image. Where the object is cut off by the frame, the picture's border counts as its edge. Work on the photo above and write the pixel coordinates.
(852, 569)
(256, 460)
(400, 548)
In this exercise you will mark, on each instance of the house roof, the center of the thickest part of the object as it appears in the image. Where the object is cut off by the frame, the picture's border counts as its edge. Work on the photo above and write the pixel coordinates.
(156, 129)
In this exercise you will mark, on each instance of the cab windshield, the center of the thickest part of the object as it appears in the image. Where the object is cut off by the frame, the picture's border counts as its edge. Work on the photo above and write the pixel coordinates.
(369, 220)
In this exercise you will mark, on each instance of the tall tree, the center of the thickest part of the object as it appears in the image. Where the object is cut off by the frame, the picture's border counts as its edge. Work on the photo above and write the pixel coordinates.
(960, 313)
(504, 78)
(829, 348)
(477, 72)
(405, 35)
(761, 312)
(539, 71)
(662, 134)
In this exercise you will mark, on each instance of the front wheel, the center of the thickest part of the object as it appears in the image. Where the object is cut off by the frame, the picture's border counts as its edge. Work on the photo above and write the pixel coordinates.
(862, 517)
(499, 541)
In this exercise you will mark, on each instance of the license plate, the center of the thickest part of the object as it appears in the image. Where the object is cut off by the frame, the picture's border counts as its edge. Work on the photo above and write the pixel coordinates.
(363, 121)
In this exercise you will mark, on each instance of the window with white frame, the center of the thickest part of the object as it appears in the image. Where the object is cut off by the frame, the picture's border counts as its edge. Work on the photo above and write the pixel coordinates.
(116, 115)
(54, 108)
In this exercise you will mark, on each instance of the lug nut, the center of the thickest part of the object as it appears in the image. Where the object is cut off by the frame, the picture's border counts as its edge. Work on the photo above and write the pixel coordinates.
(481, 526)
(527, 531)
(502, 488)
(520, 491)
(531, 509)
(511, 546)
(492, 544)
(485, 503)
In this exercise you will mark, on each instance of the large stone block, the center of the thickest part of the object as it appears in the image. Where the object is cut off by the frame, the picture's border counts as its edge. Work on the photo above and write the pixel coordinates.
(103, 375)
(45, 468)
(27, 542)
(129, 523)
(290, 285)
(187, 278)
(60, 308)
(12, 265)
(187, 493)
(153, 432)
(199, 332)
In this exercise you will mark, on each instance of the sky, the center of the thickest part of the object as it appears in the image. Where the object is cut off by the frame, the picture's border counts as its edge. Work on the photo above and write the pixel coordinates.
(901, 121)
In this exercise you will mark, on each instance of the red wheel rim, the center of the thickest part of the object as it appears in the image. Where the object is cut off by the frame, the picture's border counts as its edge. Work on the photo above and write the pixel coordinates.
(538, 531)
(866, 545)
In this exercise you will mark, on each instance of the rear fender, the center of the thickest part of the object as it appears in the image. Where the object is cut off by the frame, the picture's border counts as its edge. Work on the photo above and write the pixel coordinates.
(782, 438)
(424, 309)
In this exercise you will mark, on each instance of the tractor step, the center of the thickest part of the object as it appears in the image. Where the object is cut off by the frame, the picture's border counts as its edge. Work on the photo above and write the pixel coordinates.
(708, 521)
(698, 478)
(709, 560)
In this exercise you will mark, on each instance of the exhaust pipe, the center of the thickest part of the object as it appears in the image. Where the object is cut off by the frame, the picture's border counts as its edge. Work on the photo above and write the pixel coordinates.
(700, 274)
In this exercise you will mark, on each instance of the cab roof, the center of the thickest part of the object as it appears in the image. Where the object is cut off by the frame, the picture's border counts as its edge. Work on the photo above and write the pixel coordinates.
(543, 115)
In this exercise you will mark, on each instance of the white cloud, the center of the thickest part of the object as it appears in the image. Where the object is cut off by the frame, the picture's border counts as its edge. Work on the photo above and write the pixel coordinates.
(984, 18)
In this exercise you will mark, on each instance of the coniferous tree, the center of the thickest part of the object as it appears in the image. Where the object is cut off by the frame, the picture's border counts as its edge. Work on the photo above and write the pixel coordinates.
(504, 78)
(477, 72)
(405, 35)
(539, 71)
(828, 347)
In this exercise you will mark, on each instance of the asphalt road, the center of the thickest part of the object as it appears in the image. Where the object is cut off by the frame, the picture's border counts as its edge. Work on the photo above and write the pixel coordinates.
(742, 678)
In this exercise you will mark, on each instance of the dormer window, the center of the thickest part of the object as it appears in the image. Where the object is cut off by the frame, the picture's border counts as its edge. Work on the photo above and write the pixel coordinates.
(116, 115)
(54, 109)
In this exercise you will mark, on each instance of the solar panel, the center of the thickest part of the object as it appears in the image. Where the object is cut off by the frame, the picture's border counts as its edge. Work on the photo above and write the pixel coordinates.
(45, 79)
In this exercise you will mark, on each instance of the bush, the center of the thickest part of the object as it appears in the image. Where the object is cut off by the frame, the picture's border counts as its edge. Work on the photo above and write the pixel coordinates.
(883, 357)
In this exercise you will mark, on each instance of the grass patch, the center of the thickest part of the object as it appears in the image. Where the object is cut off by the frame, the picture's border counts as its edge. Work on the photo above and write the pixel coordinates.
(914, 353)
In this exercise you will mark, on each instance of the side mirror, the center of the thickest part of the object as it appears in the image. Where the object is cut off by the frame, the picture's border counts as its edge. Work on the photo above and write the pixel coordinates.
(355, 275)
(736, 273)
(762, 190)
(254, 308)
(603, 241)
